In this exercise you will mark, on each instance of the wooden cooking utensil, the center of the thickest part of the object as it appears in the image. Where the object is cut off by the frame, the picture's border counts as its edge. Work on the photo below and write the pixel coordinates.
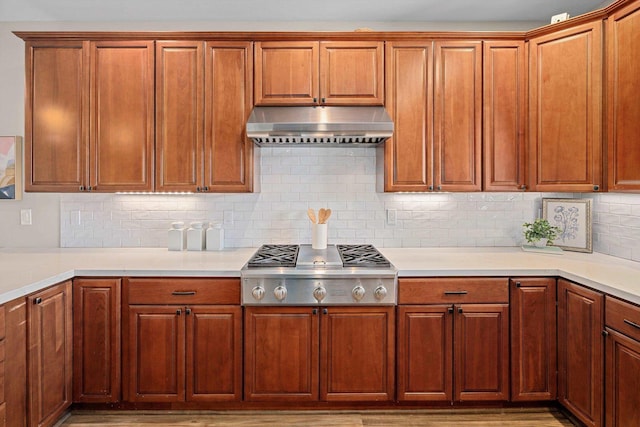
(321, 215)
(327, 214)
(312, 215)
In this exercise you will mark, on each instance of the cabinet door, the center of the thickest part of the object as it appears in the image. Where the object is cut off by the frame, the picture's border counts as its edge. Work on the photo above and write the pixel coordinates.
(96, 340)
(481, 352)
(50, 349)
(580, 351)
(565, 110)
(504, 117)
(458, 116)
(408, 155)
(622, 379)
(228, 101)
(122, 111)
(156, 360)
(179, 115)
(281, 353)
(623, 108)
(287, 73)
(425, 352)
(533, 339)
(57, 116)
(214, 353)
(352, 73)
(357, 353)
(16, 364)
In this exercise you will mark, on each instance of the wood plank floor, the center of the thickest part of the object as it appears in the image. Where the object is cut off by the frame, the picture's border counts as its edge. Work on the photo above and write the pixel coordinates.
(529, 417)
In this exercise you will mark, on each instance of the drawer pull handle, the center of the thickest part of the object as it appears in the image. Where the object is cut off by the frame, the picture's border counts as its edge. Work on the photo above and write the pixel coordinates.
(455, 292)
(183, 293)
(630, 323)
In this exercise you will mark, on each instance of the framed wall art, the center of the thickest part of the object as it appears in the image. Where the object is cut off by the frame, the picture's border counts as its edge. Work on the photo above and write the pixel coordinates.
(573, 217)
(10, 168)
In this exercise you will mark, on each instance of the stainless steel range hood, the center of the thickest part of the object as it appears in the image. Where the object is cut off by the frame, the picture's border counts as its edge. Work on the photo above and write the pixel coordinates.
(277, 126)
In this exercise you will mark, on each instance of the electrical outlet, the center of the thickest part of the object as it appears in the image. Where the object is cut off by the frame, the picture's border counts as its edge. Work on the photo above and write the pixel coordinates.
(25, 217)
(559, 17)
(392, 216)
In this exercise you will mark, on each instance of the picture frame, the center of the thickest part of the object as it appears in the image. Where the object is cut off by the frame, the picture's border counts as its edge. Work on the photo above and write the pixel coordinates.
(574, 218)
(10, 168)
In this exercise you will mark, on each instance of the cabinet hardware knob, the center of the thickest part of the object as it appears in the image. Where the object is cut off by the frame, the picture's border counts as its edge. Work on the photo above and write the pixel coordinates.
(37, 300)
(596, 187)
(518, 284)
(439, 188)
(81, 188)
(187, 311)
(455, 292)
(183, 293)
(323, 100)
(206, 188)
(89, 188)
(633, 324)
(450, 310)
(325, 311)
(523, 187)
(315, 100)
(459, 309)
(178, 312)
(198, 189)
(430, 188)
(314, 311)
(605, 333)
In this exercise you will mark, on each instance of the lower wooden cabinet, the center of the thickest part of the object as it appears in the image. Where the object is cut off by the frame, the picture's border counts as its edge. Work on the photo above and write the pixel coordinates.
(15, 384)
(96, 339)
(183, 340)
(49, 354)
(450, 349)
(580, 351)
(326, 353)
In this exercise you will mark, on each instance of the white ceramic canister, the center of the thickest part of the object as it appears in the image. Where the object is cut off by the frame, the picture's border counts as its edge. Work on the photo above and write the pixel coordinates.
(196, 236)
(319, 236)
(215, 237)
(177, 237)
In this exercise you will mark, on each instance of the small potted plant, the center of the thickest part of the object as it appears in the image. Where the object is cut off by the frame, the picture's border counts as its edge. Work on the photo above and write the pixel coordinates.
(540, 233)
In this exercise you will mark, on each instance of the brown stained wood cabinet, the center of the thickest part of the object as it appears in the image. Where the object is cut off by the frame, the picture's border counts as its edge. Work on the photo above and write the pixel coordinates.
(565, 109)
(204, 95)
(622, 343)
(96, 340)
(183, 340)
(504, 115)
(15, 383)
(581, 352)
(342, 353)
(533, 339)
(623, 109)
(319, 73)
(453, 339)
(3, 354)
(49, 354)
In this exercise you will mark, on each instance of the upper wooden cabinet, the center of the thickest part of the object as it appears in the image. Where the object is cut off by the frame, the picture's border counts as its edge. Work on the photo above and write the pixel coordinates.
(623, 108)
(565, 109)
(505, 115)
(326, 73)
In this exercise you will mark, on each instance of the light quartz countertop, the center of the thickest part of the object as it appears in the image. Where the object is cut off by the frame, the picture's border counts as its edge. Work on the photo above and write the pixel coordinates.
(24, 271)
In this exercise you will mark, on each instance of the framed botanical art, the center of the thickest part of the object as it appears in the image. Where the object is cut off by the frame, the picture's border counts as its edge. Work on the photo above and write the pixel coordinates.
(573, 218)
(10, 168)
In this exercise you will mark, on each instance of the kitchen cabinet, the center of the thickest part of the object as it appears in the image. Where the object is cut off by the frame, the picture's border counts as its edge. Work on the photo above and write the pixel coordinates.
(533, 339)
(565, 109)
(15, 373)
(96, 339)
(623, 109)
(203, 99)
(89, 116)
(504, 119)
(183, 340)
(453, 339)
(342, 353)
(319, 73)
(580, 351)
(49, 354)
(3, 353)
(622, 334)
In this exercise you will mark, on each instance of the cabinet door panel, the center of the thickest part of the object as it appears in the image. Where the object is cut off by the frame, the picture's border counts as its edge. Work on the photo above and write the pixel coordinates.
(565, 109)
(179, 115)
(214, 353)
(228, 103)
(57, 127)
(408, 154)
(281, 353)
(481, 352)
(425, 353)
(357, 361)
(122, 106)
(16, 365)
(622, 380)
(156, 354)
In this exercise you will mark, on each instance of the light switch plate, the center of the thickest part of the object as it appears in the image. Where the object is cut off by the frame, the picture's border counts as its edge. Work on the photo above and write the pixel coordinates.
(25, 217)
(392, 216)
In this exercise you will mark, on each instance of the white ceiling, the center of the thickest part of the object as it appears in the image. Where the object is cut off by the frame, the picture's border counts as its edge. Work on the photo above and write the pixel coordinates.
(292, 10)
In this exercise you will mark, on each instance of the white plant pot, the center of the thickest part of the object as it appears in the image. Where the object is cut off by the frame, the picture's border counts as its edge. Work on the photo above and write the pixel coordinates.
(540, 243)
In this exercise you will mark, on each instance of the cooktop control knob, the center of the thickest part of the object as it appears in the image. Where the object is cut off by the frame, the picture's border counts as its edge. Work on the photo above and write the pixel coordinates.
(380, 292)
(358, 293)
(319, 293)
(258, 292)
(280, 293)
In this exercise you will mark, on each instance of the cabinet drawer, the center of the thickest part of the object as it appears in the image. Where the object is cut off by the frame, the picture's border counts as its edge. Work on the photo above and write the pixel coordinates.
(453, 290)
(183, 291)
(623, 317)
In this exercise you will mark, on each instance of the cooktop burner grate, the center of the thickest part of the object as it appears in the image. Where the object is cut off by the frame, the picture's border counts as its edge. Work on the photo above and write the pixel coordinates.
(362, 256)
(275, 256)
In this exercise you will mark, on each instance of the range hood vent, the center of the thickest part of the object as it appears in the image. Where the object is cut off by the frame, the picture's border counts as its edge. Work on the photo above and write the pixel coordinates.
(329, 126)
